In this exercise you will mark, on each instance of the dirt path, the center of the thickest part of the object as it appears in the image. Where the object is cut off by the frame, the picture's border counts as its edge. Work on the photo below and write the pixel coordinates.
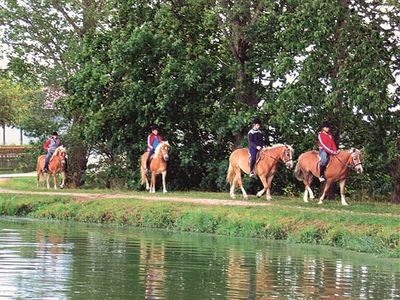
(95, 196)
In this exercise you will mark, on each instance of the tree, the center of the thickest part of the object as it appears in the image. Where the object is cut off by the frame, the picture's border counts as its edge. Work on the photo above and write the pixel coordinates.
(13, 105)
(45, 36)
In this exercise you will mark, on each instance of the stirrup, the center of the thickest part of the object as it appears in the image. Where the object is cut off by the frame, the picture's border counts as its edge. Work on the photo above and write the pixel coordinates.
(321, 178)
(252, 175)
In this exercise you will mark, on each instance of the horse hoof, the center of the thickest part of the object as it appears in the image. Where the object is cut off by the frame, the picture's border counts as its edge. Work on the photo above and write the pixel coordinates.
(345, 204)
(305, 200)
(320, 202)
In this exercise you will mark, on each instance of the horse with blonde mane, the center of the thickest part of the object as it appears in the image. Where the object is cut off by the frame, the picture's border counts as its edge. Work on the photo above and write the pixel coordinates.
(158, 165)
(57, 164)
(336, 170)
(265, 167)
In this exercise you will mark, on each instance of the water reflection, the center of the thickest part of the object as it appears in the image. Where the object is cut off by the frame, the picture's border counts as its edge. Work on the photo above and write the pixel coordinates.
(152, 268)
(61, 261)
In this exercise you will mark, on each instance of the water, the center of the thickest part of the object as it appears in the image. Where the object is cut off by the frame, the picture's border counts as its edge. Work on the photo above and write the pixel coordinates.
(52, 260)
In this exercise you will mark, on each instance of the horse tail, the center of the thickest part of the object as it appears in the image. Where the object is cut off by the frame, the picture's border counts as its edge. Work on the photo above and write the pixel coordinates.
(298, 172)
(231, 172)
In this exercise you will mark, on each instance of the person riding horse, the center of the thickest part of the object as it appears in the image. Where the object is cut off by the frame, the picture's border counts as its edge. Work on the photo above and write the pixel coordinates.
(152, 142)
(256, 142)
(326, 146)
(50, 146)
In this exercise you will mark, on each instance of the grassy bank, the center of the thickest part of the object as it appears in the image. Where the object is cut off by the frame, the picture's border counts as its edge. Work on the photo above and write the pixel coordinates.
(364, 227)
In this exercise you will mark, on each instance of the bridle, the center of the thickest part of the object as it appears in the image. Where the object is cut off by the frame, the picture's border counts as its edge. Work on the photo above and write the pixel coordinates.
(164, 152)
(286, 153)
(351, 165)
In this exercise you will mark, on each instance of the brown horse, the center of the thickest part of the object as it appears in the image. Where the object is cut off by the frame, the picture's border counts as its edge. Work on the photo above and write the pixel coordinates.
(158, 165)
(265, 167)
(57, 165)
(337, 170)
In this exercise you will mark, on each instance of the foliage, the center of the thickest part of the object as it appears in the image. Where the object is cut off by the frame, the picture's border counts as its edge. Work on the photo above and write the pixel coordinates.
(203, 69)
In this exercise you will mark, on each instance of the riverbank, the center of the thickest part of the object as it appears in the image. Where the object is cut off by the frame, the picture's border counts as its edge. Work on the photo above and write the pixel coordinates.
(364, 227)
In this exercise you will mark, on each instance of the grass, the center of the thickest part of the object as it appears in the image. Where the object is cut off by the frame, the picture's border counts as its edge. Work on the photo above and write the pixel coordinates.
(364, 227)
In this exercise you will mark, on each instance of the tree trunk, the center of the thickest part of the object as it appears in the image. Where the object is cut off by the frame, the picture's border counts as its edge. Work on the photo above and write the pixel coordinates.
(4, 134)
(77, 155)
(337, 110)
(396, 176)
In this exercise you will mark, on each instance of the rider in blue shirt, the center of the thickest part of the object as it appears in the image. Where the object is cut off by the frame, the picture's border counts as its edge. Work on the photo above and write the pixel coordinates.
(256, 142)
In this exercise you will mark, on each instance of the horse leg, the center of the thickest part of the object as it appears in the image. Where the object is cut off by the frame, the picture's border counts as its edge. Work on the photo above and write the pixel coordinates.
(63, 180)
(238, 178)
(38, 178)
(326, 188)
(164, 175)
(232, 189)
(342, 184)
(147, 184)
(153, 182)
(48, 180)
(269, 183)
(55, 176)
(264, 183)
(307, 183)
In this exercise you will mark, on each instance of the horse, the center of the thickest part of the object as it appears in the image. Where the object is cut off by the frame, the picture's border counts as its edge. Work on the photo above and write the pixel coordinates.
(265, 167)
(57, 164)
(158, 165)
(337, 170)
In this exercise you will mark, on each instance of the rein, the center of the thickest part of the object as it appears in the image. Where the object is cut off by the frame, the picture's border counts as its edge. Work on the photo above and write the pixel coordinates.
(278, 159)
(350, 165)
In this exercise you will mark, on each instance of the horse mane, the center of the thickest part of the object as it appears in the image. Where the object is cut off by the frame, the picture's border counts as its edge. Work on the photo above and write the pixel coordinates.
(354, 151)
(280, 145)
(158, 148)
(58, 150)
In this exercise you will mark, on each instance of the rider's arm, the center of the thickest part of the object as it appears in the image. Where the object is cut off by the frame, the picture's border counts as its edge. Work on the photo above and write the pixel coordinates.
(150, 141)
(46, 145)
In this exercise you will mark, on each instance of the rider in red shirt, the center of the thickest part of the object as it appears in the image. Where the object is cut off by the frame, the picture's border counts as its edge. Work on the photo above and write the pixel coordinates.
(152, 141)
(326, 146)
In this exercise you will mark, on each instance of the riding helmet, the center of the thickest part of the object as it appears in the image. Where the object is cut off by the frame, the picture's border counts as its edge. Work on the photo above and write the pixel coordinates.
(326, 124)
(153, 127)
(257, 121)
(55, 133)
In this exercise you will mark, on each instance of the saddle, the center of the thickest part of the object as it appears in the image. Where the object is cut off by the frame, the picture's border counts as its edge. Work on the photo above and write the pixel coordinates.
(257, 158)
(327, 163)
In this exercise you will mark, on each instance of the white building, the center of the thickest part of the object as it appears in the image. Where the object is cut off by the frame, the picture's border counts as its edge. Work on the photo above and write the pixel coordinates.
(13, 136)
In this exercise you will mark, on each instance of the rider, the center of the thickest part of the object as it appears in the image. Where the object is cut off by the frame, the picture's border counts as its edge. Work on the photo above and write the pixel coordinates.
(152, 141)
(326, 146)
(50, 146)
(256, 142)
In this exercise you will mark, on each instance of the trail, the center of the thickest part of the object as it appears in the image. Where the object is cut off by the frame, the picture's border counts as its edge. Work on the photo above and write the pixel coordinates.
(96, 196)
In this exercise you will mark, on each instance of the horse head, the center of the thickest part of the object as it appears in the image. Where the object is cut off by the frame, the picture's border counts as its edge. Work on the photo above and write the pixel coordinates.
(281, 152)
(287, 156)
(163, 148)
(61, 153)
(356, 162)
